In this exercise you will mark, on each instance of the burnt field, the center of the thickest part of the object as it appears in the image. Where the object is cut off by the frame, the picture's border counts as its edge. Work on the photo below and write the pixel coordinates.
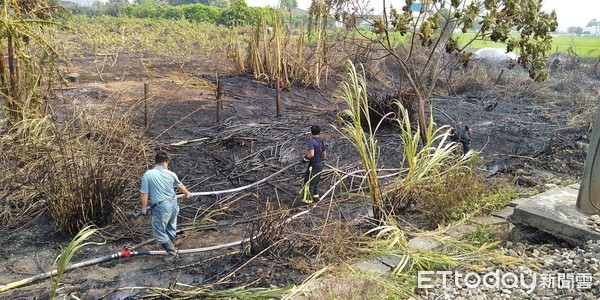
(529, 137)
(521, 140)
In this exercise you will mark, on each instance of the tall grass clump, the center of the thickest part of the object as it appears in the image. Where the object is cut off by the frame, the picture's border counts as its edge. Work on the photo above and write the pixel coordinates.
(268, 54)
(19, 198)
(93, 163)
(279, 54)
(391, 240)
(27, 59)
(78, 168)
(353, 92)
(442, 183)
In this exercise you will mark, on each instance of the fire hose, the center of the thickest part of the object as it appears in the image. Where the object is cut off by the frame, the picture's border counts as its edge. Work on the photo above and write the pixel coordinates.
(130, 251)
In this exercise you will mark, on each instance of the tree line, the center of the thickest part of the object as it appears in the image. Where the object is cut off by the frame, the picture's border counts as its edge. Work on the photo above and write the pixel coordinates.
(220, 12)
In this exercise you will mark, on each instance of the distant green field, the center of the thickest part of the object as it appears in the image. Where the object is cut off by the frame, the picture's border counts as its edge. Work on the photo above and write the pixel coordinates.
(584, 46)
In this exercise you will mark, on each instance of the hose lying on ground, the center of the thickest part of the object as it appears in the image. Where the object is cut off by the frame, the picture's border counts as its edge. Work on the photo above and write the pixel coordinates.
(241, 188)
(128, 252)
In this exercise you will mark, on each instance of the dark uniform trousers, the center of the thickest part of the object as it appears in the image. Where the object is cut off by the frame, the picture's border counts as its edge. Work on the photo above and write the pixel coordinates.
(313, 175)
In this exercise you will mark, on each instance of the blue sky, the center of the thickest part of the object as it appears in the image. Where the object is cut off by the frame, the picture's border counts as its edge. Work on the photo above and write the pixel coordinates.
(569, 12)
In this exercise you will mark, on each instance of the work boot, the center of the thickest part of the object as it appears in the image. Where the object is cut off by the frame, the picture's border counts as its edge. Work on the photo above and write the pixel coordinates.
(170, 248)
(307, 200)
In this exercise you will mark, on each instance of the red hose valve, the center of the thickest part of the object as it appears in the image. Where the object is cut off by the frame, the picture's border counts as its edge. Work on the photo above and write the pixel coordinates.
(125, 252)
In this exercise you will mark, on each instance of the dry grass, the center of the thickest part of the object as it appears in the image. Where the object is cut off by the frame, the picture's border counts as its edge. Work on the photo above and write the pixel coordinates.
(441, 200)
(182, 79)
(322, 245)
(346, 283)
(474, 80)
(573, 86)
(583, 117)
(269, 232)
(276, 54)
(79, 168)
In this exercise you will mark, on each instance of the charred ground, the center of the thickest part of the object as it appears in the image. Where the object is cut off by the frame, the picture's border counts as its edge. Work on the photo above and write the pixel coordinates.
(522, 140)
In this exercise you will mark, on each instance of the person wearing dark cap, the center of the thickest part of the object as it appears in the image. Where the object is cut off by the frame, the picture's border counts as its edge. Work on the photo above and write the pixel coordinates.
(158, 191)
(317, 153)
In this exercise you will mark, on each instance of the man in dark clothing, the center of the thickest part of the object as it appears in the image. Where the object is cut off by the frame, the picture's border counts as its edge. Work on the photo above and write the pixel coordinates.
(317, 153)
(462, 134)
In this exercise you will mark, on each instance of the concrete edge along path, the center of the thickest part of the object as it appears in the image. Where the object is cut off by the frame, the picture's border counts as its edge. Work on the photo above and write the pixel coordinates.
(552, 211)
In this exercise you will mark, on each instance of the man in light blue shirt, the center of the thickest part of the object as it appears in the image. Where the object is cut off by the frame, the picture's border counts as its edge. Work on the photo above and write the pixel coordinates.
(158, 190)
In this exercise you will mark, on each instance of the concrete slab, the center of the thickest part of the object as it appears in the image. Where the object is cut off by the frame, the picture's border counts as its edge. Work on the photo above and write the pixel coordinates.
(381, 264)
(373, 266)
(460, 231)
(504, 213)
(518, 201)
(515, 202)
(424, 243)
(389, 260)
(489, 221)
(554, 212)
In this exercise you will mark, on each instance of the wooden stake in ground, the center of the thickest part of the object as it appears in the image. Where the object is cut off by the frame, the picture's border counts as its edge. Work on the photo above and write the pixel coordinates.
(219, 101)
(499, 77)
(278, 98)
(145, 105)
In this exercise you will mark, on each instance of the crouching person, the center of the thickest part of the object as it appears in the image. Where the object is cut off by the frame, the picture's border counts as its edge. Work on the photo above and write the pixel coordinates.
(462, 134)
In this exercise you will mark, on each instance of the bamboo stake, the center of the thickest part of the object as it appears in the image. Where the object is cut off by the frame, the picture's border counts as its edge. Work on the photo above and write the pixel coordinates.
(219, 101)
(499, 76)
(145, 105)
(278, 98)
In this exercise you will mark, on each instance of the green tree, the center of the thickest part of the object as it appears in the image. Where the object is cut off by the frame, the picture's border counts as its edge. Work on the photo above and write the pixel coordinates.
(144, 2)
(115, 7)
(288, 4)
(200, 13)
(237, 13)
(217, 3)
(520, 24)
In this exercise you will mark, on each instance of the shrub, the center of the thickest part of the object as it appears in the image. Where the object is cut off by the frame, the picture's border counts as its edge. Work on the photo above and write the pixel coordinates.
(238, 13)
(141, 11)
(201, 13)
(78, 168)
(482, 235)
(91, 164)
(451, 194)
(443, 184)
(172, 12)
